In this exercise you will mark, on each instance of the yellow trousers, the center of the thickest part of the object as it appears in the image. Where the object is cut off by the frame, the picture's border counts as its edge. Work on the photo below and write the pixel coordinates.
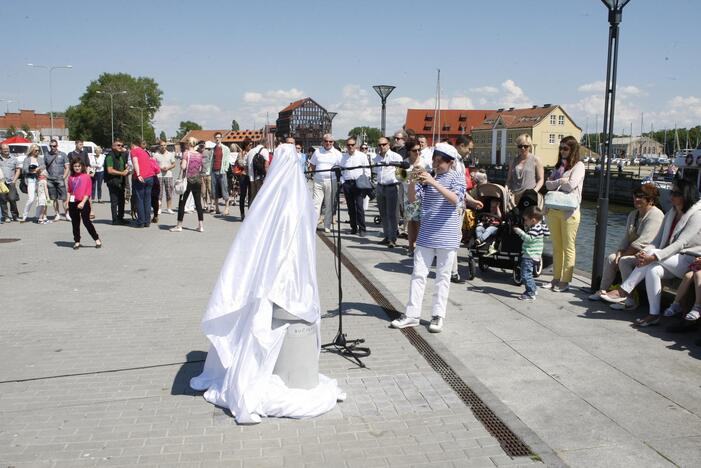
(563, 233)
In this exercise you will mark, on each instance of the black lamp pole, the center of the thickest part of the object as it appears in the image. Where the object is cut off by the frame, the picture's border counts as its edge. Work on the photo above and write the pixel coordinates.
(383, 91)
(615, 8)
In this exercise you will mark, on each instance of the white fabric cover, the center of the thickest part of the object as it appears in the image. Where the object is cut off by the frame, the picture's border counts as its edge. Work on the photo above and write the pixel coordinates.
(272, 260)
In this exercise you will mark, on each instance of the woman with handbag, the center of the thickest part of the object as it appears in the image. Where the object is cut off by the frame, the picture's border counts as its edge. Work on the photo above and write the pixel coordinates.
(32, 166)
(563, 212)
(190, 182)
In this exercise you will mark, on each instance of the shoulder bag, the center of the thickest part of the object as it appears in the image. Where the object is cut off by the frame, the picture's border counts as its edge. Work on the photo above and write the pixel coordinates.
(180, 186)
(557, 200)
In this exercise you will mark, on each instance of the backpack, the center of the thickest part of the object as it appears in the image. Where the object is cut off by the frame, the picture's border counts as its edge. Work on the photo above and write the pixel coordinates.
(259, 165)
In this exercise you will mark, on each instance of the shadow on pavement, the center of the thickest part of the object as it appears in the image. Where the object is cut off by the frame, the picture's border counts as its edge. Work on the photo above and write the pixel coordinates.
(63, 244)
(191, 368)
(357, 309)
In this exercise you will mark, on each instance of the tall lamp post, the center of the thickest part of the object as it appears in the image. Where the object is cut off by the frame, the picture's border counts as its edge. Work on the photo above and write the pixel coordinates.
(7, 104)
(51, 68)
(383, 91)
(615, 8)
(111, 94)
(331, 116)
(141, 109)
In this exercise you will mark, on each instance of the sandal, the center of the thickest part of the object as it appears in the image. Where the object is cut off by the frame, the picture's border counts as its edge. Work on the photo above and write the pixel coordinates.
(176, 229)
(76, 246)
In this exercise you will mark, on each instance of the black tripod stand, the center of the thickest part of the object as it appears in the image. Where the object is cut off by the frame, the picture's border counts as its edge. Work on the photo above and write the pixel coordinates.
(340, 344)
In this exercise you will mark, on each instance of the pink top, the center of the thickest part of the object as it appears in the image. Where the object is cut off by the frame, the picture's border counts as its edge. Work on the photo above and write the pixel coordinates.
(193, 162)
(146, 169)
(80, 186)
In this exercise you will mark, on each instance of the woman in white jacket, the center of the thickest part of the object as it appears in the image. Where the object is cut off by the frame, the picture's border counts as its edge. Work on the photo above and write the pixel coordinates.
(670, 253)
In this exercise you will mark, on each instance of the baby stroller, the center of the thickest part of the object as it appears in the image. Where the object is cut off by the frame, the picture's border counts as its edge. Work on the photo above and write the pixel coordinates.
(502, 249)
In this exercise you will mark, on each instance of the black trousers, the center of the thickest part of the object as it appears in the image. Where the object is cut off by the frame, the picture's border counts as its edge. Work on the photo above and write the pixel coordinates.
(196, 189)
(155, 196)
(84, 214)
(116, 202)
(244, 193)
(387, 203)
(354, 201)
(10, 198)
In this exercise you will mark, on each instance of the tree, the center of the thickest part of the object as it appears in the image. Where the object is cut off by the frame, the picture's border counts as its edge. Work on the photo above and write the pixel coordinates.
(185, 127)
(372, 134)
(10, 132)
(162, 136)
(91, 118)
(235, 125)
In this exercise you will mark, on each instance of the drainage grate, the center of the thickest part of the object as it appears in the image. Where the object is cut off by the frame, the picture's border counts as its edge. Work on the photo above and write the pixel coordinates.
(7, 240)
(510, 442)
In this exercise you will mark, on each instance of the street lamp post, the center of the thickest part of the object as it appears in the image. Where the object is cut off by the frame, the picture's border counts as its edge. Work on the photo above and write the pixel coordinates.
(383, 91)
(111, 94)
(7, 104)
(615, 8)
(51, 68)
(141, 109)
(331, 116)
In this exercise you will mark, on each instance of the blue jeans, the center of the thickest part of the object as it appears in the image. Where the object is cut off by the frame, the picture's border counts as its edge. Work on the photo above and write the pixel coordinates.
(141, 191)
(527, 266)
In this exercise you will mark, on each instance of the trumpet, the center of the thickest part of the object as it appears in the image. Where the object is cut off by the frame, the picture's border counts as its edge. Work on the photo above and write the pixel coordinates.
(414, 174)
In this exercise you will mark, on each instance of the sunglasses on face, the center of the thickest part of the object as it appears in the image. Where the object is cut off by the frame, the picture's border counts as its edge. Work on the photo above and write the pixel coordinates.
(328, 141)
(350, 144)
(384, 144)
(524, 146)
(54, 146)
(564, 148)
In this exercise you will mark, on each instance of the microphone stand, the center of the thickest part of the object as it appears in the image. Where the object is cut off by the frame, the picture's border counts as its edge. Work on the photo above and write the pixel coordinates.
(340, 344)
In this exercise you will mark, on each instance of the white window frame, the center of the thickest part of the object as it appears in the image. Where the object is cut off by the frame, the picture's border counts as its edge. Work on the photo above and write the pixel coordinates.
(551, 139)
(561, 120)
(553, 120)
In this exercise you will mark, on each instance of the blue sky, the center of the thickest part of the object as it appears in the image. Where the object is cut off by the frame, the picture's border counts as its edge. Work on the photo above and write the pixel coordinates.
(220, 60)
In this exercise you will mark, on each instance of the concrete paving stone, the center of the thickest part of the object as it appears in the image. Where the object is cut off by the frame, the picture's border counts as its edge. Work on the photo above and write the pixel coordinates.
(202, 457)
(635, 454)
(683, 451)
(264, 462)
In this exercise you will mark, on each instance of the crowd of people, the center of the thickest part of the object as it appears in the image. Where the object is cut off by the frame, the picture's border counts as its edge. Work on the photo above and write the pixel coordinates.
(422, 193)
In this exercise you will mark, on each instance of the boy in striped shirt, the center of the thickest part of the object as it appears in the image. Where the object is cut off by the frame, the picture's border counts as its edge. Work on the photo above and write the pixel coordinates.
(532, 248)
(439, 235)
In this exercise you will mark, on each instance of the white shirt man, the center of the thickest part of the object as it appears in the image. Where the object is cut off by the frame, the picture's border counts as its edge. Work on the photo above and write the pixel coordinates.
(387, 192)
(324, 190)
(355, 195)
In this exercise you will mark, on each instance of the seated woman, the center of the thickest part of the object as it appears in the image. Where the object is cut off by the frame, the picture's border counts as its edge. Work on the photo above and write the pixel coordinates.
(669, 255)
(642, 226)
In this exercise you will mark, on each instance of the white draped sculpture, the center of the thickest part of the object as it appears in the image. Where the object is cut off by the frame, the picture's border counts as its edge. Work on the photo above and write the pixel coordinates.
(272, 261)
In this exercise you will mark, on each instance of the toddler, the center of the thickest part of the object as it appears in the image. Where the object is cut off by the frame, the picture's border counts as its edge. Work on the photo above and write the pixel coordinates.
(533, 236)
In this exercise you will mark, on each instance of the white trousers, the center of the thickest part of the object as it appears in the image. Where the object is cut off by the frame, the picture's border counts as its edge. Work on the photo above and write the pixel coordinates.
(325, 192)
(653, 274)
(423, 258)
(31, 196)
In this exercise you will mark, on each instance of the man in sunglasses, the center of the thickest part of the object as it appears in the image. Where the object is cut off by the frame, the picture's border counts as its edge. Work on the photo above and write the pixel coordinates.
(116, 172)
(57, 169)
(387, 191)
(324, 192)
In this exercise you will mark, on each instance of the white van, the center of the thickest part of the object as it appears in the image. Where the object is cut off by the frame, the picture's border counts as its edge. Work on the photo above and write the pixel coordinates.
(66, 146)
(19, 150)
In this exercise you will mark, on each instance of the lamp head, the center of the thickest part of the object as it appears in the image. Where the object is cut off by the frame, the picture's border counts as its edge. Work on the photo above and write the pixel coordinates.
(383, 90)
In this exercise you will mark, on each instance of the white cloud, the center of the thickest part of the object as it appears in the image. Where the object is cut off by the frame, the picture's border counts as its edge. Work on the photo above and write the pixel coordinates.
(514, 95)
(273, 96)
(485, 90)
(593, 87)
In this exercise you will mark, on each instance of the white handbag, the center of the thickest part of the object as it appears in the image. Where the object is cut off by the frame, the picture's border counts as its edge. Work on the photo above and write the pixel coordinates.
(180, 186)
(557, 200)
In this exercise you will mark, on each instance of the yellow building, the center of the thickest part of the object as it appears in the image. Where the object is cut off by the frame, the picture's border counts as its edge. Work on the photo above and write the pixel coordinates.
(495, 137)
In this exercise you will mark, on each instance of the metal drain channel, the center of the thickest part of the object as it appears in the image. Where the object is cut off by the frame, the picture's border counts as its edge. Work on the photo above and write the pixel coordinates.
(510, 442)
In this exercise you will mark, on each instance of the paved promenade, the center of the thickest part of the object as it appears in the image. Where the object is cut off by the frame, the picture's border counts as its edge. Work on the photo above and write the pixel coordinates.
(94, 345)
(98, 347)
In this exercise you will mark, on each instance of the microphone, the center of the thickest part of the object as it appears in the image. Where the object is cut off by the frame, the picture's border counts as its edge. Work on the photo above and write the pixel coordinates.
(402, 164)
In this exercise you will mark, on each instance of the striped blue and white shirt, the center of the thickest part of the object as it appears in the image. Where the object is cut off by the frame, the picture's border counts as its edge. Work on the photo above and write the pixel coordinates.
(440, 219)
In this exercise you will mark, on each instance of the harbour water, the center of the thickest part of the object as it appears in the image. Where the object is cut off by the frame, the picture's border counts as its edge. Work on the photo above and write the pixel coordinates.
(587, 232)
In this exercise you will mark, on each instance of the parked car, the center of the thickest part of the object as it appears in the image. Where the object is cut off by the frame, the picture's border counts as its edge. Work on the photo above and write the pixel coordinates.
(663, 159)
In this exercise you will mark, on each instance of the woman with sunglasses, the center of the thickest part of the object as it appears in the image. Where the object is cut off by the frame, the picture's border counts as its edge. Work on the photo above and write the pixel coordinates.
(78, 204)
(642, 226)
(563, 224)
(669, 255)
(32, 166)
(525, 170)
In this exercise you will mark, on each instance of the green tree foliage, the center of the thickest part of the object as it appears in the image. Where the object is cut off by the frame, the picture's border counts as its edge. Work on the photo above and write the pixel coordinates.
(372, 134)
(91, 120)
(235, 125)
(26, 129)
(185, 127)
(11, 131)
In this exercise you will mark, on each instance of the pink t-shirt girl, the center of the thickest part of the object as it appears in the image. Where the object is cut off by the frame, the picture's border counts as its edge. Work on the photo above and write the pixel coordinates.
(80, 186)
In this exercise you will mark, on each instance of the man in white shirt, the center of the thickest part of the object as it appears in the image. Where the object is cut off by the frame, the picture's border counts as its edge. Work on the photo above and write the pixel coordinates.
(387, 191)
(257, 168)
(324, 190)
(355, 195)
(426, 152)
(166, 161)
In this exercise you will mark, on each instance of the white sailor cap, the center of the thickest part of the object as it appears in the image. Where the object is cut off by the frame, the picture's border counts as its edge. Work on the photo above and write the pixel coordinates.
(447, 150)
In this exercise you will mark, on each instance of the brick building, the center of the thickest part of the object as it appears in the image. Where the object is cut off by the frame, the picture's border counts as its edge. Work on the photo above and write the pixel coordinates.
(449, 124)
(39, 124)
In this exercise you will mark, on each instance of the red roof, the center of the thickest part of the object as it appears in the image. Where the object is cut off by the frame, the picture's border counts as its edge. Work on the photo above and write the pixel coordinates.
(452, 121)
(228, 136)
(294, 105)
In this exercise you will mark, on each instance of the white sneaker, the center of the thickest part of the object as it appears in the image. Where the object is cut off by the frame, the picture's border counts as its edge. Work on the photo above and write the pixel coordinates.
(327, 230)
(169, 211)
(68, 217)
(436, 325)
(404, 322)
